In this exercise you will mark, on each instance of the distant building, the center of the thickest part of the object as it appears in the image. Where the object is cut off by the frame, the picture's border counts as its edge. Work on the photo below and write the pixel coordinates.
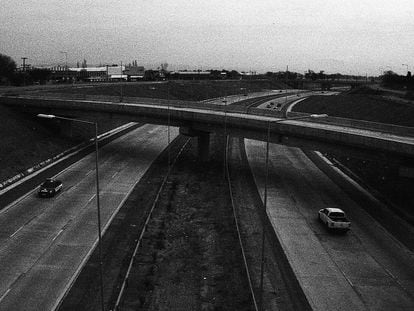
(134, 73)
(115, 73)
(98, 74)
(90, 74)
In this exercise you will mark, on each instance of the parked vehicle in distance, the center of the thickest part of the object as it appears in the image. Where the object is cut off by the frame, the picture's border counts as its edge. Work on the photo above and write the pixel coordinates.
(50, 187)
(334, 219)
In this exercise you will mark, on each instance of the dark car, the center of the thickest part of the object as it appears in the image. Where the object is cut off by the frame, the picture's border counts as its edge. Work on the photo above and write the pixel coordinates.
(50, 187)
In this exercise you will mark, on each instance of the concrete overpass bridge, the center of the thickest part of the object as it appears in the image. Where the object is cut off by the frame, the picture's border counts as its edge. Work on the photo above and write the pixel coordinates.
(357, 138)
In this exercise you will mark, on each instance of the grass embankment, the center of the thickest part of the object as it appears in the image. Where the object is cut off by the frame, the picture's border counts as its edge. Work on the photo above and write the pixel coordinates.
(176, 90)
(360, 106)
(25, 142)
(383, 176)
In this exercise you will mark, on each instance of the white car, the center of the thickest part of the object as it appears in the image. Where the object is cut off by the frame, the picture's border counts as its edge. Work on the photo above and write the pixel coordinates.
(334, 219)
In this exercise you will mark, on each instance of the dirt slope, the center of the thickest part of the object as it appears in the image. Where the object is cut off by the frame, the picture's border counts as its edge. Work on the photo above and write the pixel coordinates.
(25, 141)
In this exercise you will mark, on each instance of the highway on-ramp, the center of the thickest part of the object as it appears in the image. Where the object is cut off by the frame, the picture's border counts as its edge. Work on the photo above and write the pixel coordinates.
(44, 242)
(365, 269)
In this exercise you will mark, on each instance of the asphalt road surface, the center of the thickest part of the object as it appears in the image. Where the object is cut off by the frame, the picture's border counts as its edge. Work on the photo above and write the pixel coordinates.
(365, 269)
(45, 241)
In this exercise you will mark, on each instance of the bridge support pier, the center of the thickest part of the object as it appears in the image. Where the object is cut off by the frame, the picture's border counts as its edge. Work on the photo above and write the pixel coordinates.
(203, 141)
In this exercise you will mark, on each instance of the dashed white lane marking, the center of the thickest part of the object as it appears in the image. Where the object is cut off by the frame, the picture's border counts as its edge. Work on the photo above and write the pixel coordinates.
(60, 231)
(17, 231)
(5, 294)
(91, 199)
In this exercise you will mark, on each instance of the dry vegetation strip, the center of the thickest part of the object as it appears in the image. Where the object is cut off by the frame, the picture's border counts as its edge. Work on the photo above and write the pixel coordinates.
(190, 258)
(360, 107)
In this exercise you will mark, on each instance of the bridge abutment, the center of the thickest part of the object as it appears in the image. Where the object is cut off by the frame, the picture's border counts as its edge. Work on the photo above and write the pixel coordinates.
(66, 128)
(203, 141)
(73, 129)
(82, 131)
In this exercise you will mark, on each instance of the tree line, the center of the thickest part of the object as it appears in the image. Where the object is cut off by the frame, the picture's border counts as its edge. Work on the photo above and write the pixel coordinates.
(392, 80)
(9, 75)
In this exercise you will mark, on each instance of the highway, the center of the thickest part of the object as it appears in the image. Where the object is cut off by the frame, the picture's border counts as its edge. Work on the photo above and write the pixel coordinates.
(365, 269)
(44, 242)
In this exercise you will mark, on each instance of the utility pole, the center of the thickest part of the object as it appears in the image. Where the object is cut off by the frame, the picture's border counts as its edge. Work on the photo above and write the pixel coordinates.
(24, 63)
(24, 70)
(66, 64)
(121, 84)
(286, 80)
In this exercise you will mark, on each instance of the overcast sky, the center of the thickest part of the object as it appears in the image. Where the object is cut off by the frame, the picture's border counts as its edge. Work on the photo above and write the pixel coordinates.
(349, 36)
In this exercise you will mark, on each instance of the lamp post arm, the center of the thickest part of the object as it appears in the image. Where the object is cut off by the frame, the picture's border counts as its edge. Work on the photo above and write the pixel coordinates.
(52, 116)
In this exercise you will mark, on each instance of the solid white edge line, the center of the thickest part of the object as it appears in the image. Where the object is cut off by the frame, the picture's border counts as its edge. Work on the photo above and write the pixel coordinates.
(5, 294)
(60, 231)
(16, 231)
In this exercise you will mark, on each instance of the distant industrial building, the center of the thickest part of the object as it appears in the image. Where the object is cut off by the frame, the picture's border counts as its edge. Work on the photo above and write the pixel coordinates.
(198, 75)
(134, 73)
(98, 74)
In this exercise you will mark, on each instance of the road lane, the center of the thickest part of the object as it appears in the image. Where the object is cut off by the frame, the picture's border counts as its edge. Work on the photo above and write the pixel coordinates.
(45, 241)
(364, 269)
(288, 99)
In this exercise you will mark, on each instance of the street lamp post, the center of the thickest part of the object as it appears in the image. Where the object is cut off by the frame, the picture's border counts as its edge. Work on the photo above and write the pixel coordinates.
(225, 137)
(312, 116)
(51, 116)
(121, 98)
(286, 81)
(66, 63)
(168, 129)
